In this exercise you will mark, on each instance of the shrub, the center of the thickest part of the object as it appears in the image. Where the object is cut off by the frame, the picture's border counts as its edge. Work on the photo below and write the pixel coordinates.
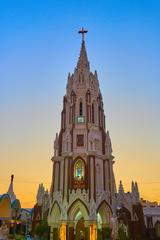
(42, 229)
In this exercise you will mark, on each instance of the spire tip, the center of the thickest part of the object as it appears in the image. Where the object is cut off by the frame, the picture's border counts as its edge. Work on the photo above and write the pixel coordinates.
(12, 177)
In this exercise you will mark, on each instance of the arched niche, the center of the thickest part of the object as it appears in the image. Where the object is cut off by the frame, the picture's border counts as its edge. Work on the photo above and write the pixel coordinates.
(79, 169)
(88, 96)
(124, 214)
(104, 213)
(93, 112)
(77, 211)
(79, 173)
(55, 213)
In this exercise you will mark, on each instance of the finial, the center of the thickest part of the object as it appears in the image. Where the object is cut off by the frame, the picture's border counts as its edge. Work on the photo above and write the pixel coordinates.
(12, 177)
(10, 190)
(121, 190)
(82, 31)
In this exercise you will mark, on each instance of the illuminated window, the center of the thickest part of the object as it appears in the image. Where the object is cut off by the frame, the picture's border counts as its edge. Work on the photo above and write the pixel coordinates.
(79, 170)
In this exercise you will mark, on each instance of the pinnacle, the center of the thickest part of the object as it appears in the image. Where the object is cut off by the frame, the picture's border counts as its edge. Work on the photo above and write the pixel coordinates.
(83, 59)
(10, 190)
(121, 190)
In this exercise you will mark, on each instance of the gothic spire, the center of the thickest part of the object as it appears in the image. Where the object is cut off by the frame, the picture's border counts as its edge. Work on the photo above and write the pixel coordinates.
(83, 59)
(10, 190)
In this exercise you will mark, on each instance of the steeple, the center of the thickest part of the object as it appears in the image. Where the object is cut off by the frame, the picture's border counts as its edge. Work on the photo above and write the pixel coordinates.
(83, 59)
(10, 190)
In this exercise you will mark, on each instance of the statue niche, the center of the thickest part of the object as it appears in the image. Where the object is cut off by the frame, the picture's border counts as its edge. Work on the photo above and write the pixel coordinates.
(79, 173)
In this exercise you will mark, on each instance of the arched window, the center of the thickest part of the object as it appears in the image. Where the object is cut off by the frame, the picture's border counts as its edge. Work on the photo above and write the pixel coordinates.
(79, 170)
(80, 109)
(93, 116)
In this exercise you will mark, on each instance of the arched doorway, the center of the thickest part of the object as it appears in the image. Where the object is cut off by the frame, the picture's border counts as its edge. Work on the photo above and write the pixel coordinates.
(104, 214)
(80, 230)
(78, 207)
(53, 221)
(78, 218)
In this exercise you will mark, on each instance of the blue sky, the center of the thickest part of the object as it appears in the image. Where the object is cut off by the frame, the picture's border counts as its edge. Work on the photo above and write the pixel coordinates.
(39, 45)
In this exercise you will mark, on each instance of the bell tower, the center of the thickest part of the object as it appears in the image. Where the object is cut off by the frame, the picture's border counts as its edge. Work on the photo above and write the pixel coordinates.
(83, 185)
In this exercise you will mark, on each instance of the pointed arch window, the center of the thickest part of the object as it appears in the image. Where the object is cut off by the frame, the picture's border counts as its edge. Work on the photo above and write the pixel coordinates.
(79, 170)
(80, 109)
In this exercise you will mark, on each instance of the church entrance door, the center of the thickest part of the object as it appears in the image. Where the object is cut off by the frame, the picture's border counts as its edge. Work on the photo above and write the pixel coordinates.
(80, 230)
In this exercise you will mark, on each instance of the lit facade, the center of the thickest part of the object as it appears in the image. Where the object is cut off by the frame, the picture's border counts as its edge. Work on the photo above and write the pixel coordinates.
(83, 185)
(83, 201)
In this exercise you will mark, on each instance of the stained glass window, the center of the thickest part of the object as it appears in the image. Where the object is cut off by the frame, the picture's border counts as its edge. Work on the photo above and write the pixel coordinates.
(79, 170)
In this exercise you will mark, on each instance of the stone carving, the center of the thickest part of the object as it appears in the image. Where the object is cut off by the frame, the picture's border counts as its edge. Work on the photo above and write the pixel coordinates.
(56, 147)
(57, 196)
(108, 145)
(78, 193)
(64, 208)
(92, 210)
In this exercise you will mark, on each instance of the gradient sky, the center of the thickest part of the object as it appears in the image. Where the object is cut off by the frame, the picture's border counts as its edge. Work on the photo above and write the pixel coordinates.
(39, 45)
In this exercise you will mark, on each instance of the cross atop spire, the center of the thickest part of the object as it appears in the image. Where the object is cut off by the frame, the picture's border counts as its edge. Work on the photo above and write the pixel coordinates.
(82, 31)
(83, 62)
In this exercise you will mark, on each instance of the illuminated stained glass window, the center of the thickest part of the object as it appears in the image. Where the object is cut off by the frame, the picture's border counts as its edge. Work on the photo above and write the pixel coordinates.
(79, 170)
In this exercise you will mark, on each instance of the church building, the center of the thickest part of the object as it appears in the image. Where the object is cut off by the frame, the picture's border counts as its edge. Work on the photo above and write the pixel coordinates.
(83, 192)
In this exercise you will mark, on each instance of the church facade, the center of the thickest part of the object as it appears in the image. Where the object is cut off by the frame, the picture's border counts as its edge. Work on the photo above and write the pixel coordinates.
(83, 191)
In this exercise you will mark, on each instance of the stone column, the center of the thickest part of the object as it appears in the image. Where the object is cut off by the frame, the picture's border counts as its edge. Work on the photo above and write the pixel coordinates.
(54, 233)
(87, 231)
(56, 178)
(51, 233)
(63, 231)
(93, 231)
(65, 178)
(92, 177)
(71, 231)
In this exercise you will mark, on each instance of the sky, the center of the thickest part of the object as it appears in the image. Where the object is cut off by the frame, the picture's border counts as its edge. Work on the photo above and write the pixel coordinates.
(39, 45)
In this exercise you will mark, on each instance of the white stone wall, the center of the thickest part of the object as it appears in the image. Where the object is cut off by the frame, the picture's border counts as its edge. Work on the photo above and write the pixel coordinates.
(93, 149)
(153, 212)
